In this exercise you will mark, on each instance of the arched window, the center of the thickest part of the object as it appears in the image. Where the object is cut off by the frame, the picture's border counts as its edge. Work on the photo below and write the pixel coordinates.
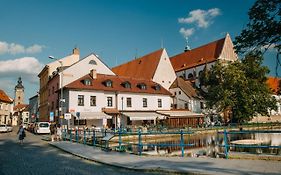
(108, 83)
(126, 84)
(93, 62)
(142, 86)
(190, 75)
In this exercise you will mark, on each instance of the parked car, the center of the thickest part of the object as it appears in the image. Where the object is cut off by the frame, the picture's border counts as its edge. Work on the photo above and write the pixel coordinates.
(5, 128)
(42, 128)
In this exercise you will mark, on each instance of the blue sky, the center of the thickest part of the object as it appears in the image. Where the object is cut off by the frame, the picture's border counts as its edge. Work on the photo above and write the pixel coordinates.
(116, 30)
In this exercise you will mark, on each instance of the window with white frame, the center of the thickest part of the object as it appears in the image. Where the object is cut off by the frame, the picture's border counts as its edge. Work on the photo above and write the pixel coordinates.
(109, 101)
(80, 100)
(144, 102)
(159, 103)
(93, 101)
(129, 102)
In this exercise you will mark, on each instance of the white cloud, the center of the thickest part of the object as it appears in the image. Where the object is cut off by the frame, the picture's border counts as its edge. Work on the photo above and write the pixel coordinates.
(201, 18)
(186, 32)
(28, 67)
(13, 48)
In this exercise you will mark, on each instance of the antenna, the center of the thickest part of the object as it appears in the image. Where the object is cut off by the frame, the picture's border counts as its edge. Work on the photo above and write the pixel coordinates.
(136, 56)
(162, 43)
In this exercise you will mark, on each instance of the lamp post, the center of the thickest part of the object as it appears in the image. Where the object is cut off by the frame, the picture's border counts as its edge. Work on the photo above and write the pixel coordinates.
(61, 89)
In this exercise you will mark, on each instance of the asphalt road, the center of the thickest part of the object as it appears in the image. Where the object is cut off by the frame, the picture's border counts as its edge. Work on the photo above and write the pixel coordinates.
(37, 157)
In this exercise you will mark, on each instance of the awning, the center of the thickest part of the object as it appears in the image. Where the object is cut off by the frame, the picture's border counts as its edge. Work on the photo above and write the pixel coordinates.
(93, 115)
(181, 114)
(143, 115)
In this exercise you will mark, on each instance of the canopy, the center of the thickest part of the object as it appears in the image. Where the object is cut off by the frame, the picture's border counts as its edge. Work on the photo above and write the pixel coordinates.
(181, 114)
(93, 115)
(143, 115)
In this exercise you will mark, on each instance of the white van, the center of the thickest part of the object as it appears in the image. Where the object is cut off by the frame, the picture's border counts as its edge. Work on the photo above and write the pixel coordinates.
(42, 128)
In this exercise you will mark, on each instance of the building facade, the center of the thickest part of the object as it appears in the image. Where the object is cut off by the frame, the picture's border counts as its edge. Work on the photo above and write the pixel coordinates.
(33, 109)
(6, 107)
(44, 77)
(19, 93)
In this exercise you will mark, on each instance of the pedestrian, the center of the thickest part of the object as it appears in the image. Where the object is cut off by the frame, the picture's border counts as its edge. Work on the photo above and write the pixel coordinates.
(21, 134)
(53, 132)
(59, 133)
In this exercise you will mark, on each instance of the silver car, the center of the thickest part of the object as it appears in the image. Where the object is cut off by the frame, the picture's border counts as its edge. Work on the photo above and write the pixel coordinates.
(5, 128)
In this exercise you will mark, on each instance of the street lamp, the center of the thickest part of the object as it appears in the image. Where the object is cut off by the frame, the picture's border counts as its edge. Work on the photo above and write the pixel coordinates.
(61, 88)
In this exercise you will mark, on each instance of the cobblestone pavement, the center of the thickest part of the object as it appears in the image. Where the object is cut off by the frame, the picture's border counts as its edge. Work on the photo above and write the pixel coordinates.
(37, 157)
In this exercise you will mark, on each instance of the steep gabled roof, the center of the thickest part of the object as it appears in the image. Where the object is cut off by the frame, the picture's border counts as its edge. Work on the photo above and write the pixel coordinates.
(273, 84)
(200, 55)
(4, 97)
(143, 67)
(117, 84)
(186, 87)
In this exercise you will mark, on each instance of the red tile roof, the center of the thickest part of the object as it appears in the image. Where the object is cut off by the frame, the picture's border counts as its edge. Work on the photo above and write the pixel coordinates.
(21, 107)
(201, 55)
(117, 84)
(273, 84)
(186, 87)
(4, 97)
(143, 67)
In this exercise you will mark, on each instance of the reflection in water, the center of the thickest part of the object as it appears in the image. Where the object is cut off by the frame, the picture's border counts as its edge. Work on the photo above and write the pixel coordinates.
(208, 144)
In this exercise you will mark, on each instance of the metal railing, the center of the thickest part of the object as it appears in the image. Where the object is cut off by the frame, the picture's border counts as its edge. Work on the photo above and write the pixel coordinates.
(228, 146)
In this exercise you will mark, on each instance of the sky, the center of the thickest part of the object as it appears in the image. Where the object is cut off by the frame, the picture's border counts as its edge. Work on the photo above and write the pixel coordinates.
(116, 30)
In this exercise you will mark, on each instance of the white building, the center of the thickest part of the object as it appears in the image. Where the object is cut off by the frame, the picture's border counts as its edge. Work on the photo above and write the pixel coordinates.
(114, 101)
(191, 63)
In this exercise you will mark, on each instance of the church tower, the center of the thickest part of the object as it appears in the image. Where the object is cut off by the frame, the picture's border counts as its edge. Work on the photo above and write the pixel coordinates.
(19, 93)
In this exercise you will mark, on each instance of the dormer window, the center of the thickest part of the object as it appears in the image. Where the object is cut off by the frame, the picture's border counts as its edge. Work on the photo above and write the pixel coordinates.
(126, 84)
(87, 82)
(108, 83)
(157, 87)
(142, 86)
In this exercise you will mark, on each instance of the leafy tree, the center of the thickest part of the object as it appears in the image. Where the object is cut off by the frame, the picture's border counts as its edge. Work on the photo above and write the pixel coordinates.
(239, 87)
(263, 29)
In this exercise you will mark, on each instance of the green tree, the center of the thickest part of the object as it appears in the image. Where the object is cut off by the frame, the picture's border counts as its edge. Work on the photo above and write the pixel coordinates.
(239, 87)
(263, 28)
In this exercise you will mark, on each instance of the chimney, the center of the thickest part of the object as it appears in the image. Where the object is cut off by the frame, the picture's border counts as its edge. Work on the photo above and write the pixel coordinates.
(93, 73)
(75, 51)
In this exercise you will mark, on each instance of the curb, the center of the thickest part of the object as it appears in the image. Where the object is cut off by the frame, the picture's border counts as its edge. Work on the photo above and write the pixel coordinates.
(159, 169)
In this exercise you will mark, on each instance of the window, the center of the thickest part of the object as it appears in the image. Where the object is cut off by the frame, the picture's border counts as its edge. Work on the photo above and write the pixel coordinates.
(109, 101)
(108, 83)
(53, 105)
(127, 84)
(142, 86)
(93, 101)
(87, 82)
(185, 105)
(190, 75)
(201, 105)
(175, 93)
(80, 100)
(144, 102)
(129, 102)
(93, 62)
(157, 87)
(179, 92)
(159, 103)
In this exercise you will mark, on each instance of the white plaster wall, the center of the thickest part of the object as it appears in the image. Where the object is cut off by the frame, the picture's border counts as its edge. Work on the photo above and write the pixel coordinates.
(66, 61)
(164, 74)
(137, 102)
(101, 101)
(83, 68)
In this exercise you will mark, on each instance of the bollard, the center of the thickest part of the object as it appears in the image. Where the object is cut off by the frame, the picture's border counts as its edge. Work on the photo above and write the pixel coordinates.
(84, 136)
(182, 144)
(70, 136)
(94, 137)
(140, 144)
(76, 134)
(119, 138)
(225, 143)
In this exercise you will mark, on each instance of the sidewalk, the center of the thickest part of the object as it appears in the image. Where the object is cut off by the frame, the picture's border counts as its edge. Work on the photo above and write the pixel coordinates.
(171, 164)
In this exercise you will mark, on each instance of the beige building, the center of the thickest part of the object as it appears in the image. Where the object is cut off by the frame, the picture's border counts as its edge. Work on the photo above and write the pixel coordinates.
(44, 77)
(19, 93)
(6, 105)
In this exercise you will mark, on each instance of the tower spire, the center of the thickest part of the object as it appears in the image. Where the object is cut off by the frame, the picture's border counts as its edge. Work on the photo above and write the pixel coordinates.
(187, 48)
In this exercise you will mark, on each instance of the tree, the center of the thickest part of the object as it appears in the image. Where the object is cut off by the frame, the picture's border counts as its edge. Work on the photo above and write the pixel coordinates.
(263, 29)
(239, 87)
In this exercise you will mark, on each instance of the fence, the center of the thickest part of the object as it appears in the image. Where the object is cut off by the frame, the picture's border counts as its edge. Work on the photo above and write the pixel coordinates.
(91, 137)
(227, 146)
